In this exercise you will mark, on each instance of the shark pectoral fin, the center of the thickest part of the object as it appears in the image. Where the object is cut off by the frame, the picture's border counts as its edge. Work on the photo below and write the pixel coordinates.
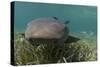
(71, 39)
(67, 22)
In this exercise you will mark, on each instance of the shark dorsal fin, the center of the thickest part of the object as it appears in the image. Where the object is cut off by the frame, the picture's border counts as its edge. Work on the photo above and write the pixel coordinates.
(55, 18)
(67, 22)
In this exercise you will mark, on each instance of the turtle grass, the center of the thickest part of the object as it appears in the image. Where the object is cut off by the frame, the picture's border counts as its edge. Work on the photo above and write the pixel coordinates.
(26, 53)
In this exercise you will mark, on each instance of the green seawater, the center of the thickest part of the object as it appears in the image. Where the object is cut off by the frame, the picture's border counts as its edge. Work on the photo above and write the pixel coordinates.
(82, 18)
